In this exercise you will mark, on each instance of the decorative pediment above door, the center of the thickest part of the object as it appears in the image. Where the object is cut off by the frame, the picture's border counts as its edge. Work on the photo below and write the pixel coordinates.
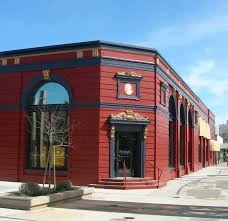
(129, 117)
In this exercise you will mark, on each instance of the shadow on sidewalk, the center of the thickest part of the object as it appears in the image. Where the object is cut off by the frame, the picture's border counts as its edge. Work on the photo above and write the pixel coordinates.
(147, 208)
(14, 218)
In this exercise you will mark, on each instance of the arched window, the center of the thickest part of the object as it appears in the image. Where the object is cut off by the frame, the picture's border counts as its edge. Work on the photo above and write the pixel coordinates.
(182, 135)
(48, 127)
(190, 138)
(172, 119)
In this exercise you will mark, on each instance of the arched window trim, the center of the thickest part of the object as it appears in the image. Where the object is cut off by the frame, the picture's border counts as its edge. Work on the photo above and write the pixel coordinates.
(37, 82)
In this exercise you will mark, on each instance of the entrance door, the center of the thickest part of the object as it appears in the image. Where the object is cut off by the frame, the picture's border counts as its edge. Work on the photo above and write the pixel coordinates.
(128, 148)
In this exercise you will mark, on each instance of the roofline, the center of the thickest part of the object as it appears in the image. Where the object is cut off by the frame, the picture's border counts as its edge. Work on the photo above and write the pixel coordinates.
(74, 46)
(91, 44)
(185, 84)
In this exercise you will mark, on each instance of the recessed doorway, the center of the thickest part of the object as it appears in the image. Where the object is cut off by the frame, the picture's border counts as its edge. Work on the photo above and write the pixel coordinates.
(128, 150)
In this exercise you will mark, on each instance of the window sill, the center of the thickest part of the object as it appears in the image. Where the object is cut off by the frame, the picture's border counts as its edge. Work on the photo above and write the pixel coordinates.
(41, 172)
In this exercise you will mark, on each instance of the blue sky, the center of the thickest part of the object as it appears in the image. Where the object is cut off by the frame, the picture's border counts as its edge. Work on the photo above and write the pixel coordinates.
(191, 35)
(55, 94)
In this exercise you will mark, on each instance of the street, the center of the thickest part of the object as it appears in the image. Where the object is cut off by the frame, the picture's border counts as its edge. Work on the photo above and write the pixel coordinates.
(202, 195)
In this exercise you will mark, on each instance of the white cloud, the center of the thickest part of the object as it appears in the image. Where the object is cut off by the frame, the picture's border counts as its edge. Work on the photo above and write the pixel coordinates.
(183, 34)
(203, 67)
(203, 76)
(197, 74)
(206, 77)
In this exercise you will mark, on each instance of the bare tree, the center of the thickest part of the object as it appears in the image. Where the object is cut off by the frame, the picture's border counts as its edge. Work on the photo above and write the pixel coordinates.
(55, 130)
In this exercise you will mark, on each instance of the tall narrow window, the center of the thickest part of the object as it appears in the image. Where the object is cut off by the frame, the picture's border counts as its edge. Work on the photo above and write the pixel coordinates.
(172, 121)
(200, 151)
(207, 153)
(196, 117)
(190, 138)
(48, 126)
(182, 135)
(163, 93)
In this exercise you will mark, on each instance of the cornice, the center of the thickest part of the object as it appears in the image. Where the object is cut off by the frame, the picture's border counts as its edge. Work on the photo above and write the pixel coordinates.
(50, 65)
(114, 62)
(94, 44)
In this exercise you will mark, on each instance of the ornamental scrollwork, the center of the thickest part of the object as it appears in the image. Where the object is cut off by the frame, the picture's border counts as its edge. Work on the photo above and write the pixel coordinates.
(128, 115)
(128, 74)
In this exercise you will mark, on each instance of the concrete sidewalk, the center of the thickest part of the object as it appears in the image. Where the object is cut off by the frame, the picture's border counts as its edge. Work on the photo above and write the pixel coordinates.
(8, 186)
(198, 196)
(207, 186)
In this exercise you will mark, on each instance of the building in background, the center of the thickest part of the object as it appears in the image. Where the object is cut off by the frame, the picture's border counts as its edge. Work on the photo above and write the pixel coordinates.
(135, 116)
(218, 146)
(223, 151)
(223, 132)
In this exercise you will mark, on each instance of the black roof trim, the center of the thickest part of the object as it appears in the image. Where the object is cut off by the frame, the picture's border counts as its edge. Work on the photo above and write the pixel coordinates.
(74, 46)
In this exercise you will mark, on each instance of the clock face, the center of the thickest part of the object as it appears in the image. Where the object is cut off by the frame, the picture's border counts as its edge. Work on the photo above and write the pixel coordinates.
(128, 89)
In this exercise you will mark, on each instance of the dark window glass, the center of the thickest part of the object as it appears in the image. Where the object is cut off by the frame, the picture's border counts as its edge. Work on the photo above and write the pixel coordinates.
(182, 135)
(163, 96)
(189, 152)
(200, 153)
(172, 120)
(190, 128)
(207, 153)
(181, 152)
(171, 144)
(196, 117)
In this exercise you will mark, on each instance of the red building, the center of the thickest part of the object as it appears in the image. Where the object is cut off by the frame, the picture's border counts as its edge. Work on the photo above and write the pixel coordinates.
(127, 103)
